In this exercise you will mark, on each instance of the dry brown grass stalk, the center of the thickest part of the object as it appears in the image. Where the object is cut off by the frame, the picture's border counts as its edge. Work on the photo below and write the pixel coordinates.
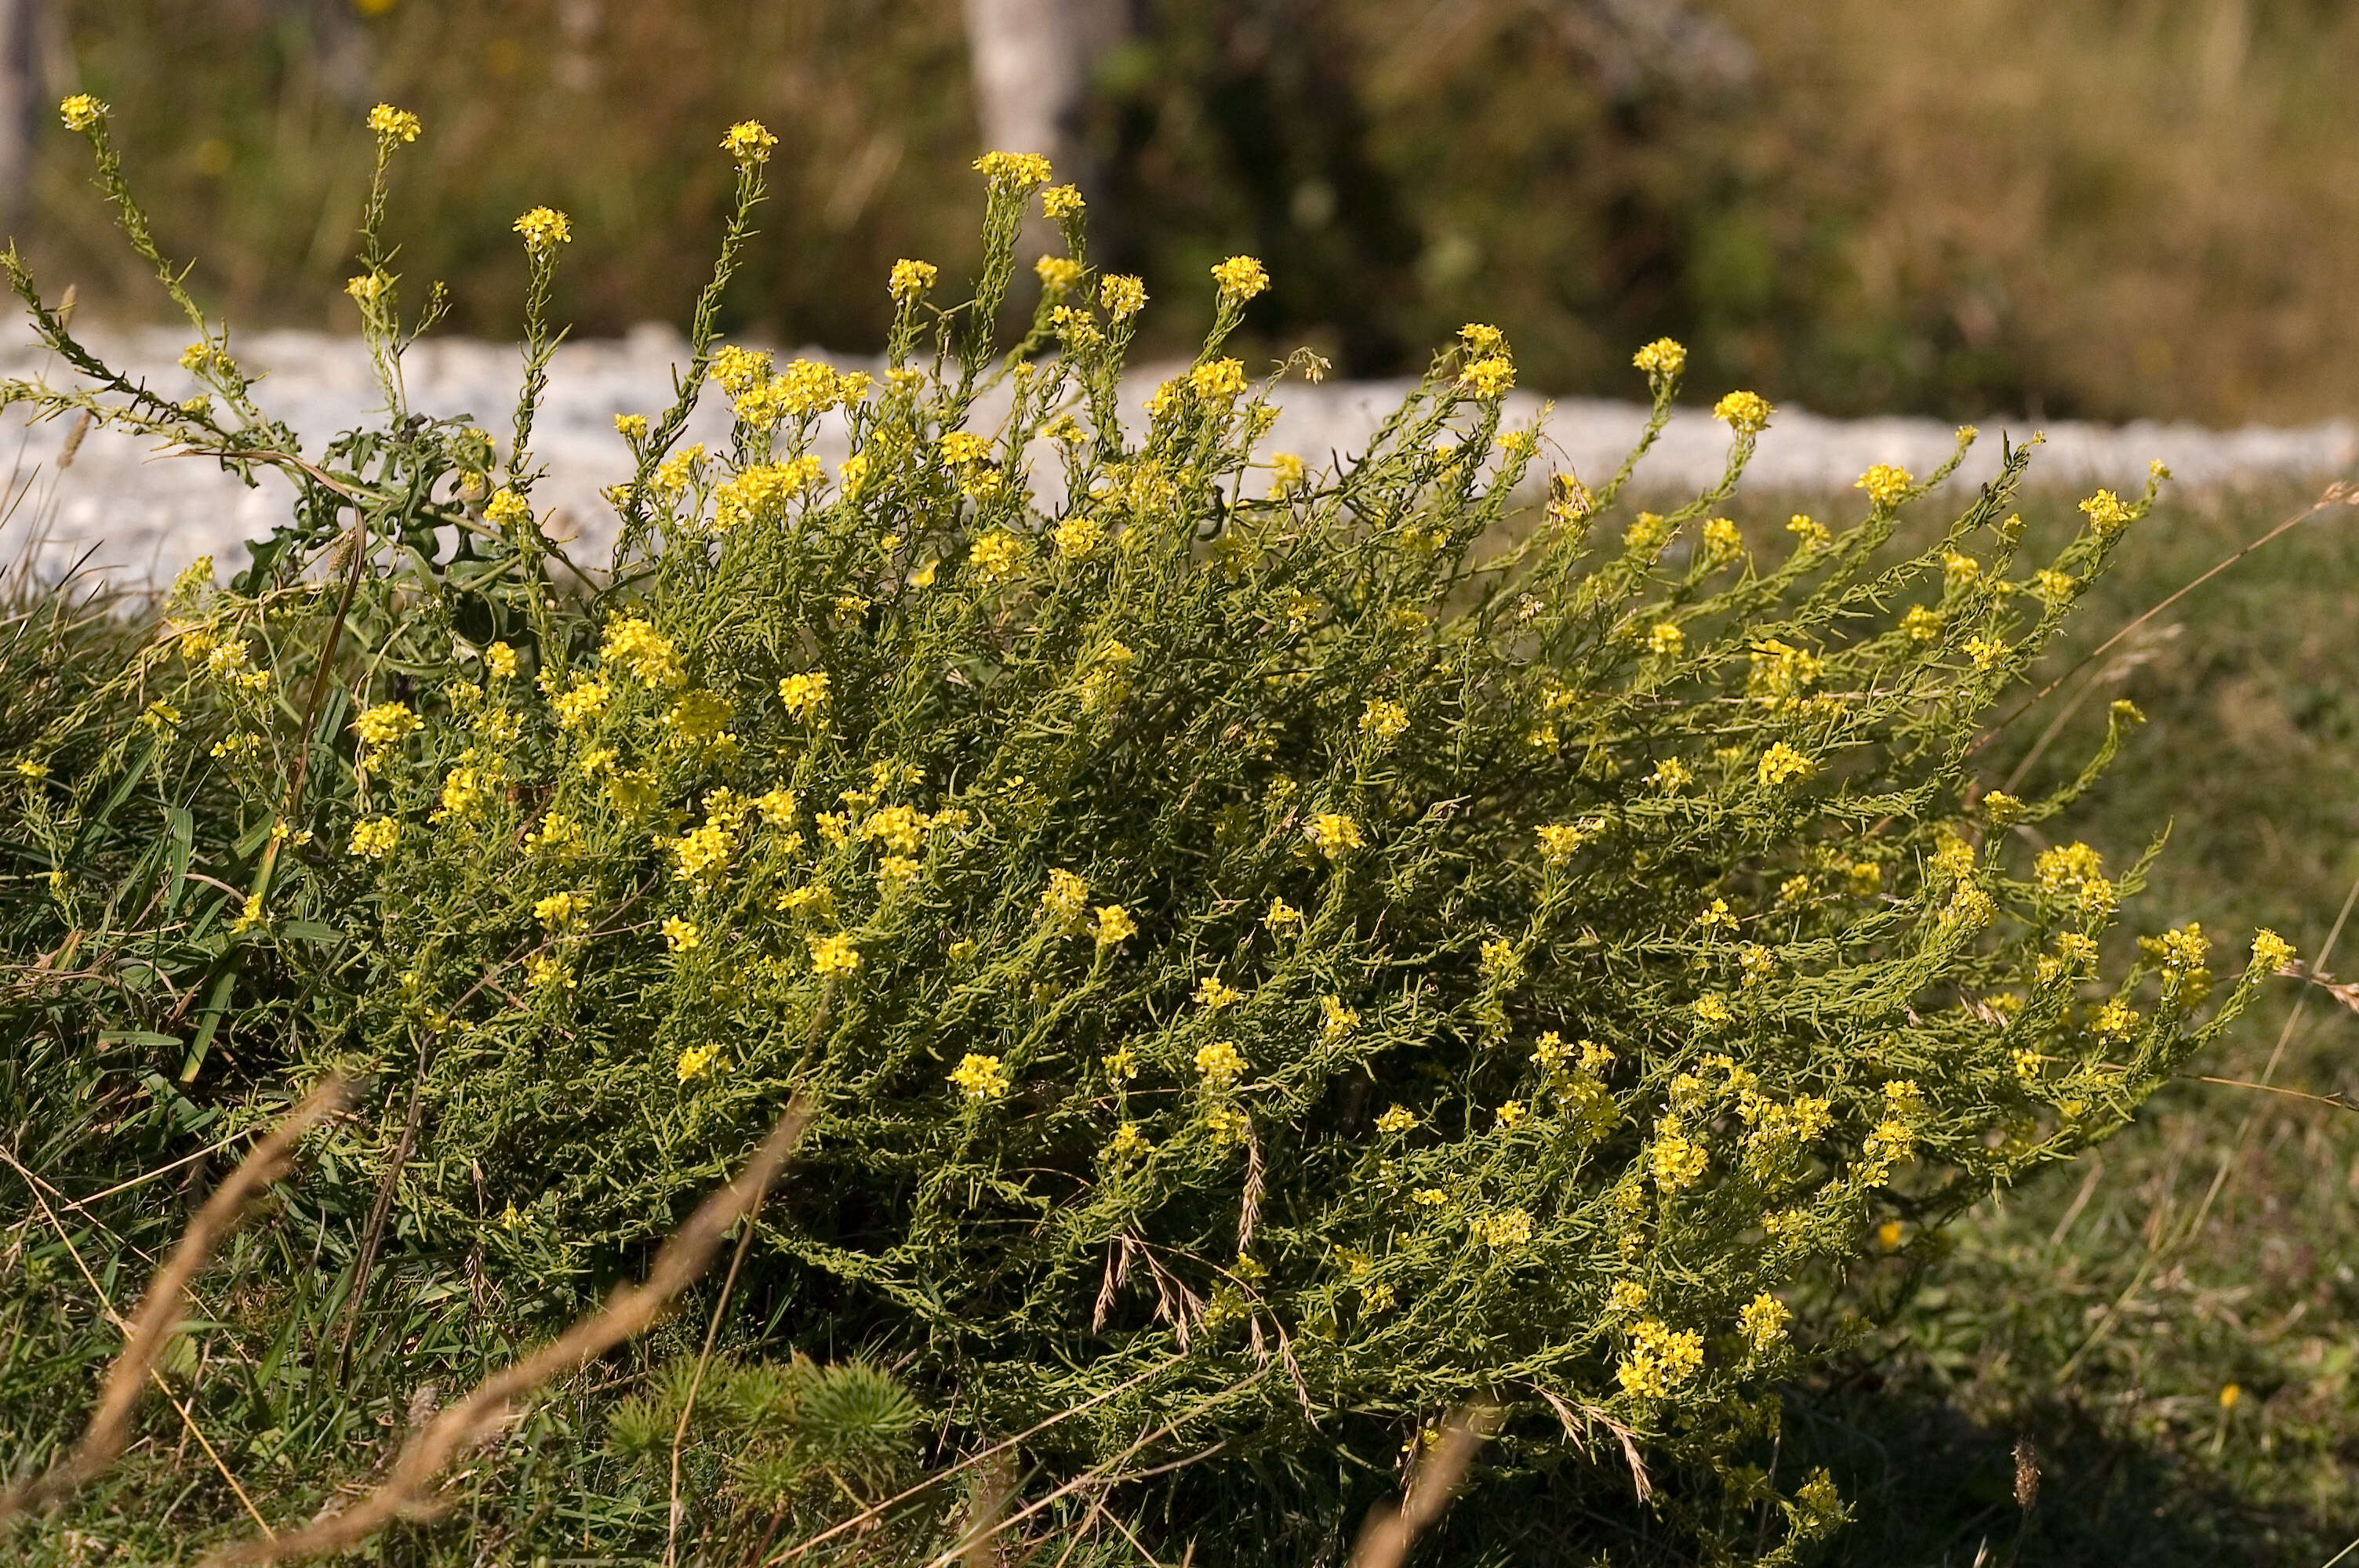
(408, 1492)
(1393, 1529)
(166, 1303)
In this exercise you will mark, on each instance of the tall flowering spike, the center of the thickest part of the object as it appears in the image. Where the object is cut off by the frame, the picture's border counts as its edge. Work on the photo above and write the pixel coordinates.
(544, 229)
(748, 141)
(392, 124)
(1240, 277)
(82, 112)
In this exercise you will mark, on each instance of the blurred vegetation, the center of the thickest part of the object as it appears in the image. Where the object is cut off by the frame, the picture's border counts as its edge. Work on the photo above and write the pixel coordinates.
(2110, 208)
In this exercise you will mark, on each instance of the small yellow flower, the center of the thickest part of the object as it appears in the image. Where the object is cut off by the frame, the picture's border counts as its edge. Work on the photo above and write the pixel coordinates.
(1059, 202)
(1023, 170)
(82, 112)
(1762, 1321)
(1382, 719)
(384, 724)
(1663, 357)
(681, 936)
(1666, 640)
(1487, 378)
(1057, 275)
(910, 279)
(1214, 994)
(1240, 277)
(1218, 381)
(1808, 531)
(544, 229)
(1746, 413)
(1885, 484)
(1335, 834)
(1400, 1118)
(392, 124)
(1220, 1065)
(507, 509)
(1559, 839)
(1428, 1197)
(2271, 952)
(1122, 296)
(981, 1078)
(748, 141)
(1335, 1020)
(997, 556)
(1505, 1230)
(1723, 541)
(1115, 925)
(561, 912)
(1511, 1112)
(500, 661)
(2107, 514)
(1986, 652)
(1922, 623)
(697, 1061)
(804, 695)
(374, 839)
(2229, 1394)
(833, 957)
(1781, 765)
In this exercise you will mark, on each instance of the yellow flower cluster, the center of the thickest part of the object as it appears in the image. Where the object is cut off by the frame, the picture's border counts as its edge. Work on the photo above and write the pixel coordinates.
(1488, 378)
(1663, 357)
(911, 279)
(1678, 1160)
(1122, 296)
(1059, 202)
(1212, 994)
(2107, 514)
(1335, 834)
(996, 557)
(374, 839)
(1763, 1321)
(544, 229)
(1115, 925)
(981, 1078)
(1666, 640)
(1023, 170)
(1240, 277)
(1505, 1231)
(1660, 1358)
(805, 694)
(833, 957)
(384, 724)
(1384, 721)
(697, 1061)
(2271, 952)
(1220, 1065)
(748, 141)
(1885, 485)
(762, 491)
(633, 648)
(1781, 765)
(1808, 531)
(1746, 413)
(392, 124)
(82, 112)
(1218, 381)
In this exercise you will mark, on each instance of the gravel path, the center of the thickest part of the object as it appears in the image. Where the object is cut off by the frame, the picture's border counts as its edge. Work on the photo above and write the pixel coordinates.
(141, 517)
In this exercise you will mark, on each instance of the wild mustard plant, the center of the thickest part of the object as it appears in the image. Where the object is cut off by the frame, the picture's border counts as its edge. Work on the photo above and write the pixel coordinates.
(1260, 943)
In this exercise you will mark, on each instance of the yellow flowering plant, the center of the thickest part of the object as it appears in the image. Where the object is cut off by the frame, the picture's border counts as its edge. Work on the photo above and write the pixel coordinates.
(1592, 935)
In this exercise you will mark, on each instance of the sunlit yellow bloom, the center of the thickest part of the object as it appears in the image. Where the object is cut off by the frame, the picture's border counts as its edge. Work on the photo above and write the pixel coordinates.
(1240, 277)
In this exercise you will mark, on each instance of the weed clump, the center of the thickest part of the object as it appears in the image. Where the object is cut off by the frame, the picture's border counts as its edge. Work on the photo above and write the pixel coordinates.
(1273, 947)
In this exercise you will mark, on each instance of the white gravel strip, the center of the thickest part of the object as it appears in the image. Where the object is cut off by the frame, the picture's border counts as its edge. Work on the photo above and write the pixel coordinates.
(141, 516)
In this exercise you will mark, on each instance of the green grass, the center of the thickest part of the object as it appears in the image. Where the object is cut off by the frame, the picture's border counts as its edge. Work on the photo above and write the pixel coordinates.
(2098, 1312)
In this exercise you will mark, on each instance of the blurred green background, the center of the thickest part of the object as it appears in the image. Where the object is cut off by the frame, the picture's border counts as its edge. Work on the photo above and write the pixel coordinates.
(2099, 208)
